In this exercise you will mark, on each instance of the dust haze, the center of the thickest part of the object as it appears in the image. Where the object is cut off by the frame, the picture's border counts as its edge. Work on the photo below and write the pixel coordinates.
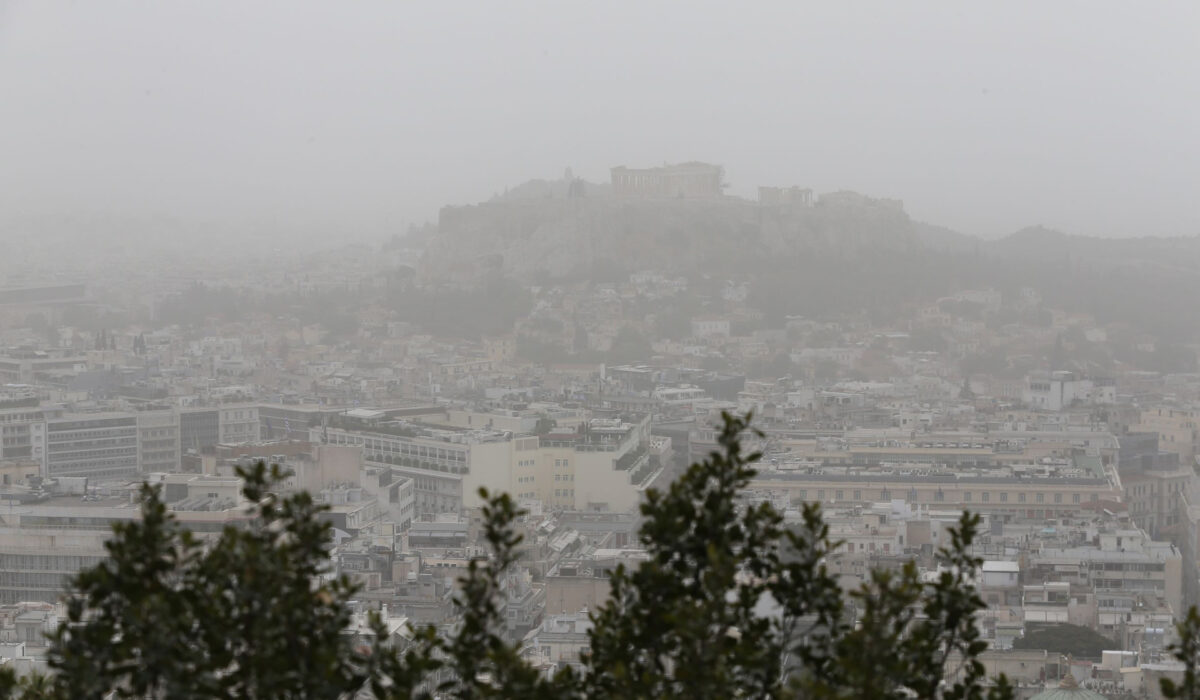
(1076, 116)
(944, 255)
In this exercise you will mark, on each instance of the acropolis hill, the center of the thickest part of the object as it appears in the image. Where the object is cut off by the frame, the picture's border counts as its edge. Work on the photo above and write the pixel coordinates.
(674, 219)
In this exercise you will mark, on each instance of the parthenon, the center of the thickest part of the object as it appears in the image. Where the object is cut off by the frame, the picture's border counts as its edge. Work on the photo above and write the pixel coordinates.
(692, 179)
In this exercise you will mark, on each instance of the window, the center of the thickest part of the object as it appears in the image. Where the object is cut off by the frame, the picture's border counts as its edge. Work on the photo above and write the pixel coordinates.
(1041, 498)
(820, 494)
(1004, 497)
(985, 497)
(885, 495)
(939, 496)
(857, 495)
(838, 495)
(803, 494)
(1020, 498)
(967, 496)
(1074, 498)
(1058, 498)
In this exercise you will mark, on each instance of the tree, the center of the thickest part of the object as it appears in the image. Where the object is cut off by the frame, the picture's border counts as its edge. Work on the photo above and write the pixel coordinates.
(248, 616)
(1187, 650)
(687, 623)
(731, 603)
(1066, 639)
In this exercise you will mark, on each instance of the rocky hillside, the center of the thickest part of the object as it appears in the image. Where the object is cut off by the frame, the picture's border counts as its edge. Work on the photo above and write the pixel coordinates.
(846, 254)
(554, 236)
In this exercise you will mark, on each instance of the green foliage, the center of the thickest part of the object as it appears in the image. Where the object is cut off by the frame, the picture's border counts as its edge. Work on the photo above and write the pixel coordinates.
(1065, 639)
(689, 622)
(1187, 650)
(681, 625)
(908, 632)
(249, 615)
(731, 603)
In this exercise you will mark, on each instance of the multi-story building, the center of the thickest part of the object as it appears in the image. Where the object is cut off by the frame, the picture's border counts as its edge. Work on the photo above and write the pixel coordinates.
(1002, 492)
(26, 366)
(158, 441)
(446, 466)
(1176, 428)
(604, 466)
(395, 493)
(102, 446)
(238, 424)
(199, 428)
(36, 562)
(1158, 498)
(23, 432)
(1123, 567)
(561, 639)
(43, 544)
(1058, 390)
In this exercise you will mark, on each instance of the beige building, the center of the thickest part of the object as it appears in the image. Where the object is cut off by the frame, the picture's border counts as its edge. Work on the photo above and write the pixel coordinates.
(17, 472)
(605, 465)
(1158, 499)
(158, 441)
(1176, 429)
(1001, 495)
(45, 543)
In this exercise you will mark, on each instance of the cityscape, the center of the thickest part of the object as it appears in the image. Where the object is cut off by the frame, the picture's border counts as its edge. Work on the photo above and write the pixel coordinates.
(520, 415)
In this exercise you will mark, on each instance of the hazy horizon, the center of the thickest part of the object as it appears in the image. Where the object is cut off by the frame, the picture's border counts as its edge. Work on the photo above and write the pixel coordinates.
(369, 117)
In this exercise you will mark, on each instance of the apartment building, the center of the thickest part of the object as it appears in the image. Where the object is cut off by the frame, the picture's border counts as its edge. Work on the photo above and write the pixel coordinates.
(1127, 570)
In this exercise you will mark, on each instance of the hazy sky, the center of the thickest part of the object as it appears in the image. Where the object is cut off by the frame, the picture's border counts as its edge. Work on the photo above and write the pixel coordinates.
(1083, 116)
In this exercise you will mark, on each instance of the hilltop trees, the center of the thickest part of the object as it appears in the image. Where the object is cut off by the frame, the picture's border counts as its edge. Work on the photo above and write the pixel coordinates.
(732, 602)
